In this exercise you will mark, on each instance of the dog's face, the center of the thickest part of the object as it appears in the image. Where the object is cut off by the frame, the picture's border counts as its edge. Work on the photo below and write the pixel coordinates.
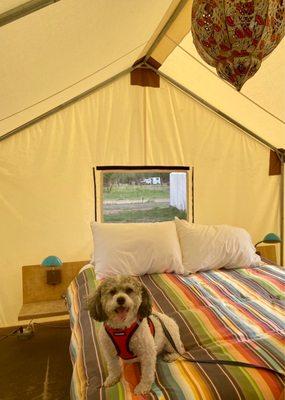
(119, 300)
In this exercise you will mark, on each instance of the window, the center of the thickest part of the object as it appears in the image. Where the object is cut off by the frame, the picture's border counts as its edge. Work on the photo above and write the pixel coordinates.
(143, 195)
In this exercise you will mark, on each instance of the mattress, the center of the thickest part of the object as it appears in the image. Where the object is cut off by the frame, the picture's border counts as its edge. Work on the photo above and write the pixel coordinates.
(222, 314)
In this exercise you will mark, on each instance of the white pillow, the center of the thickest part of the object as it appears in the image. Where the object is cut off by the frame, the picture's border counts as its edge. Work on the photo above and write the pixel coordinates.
(206, 247)
(136, 248)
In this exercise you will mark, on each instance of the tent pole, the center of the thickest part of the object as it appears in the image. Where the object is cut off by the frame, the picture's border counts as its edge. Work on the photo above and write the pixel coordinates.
(168, 24)
(95, 194)
(65, 104)
(24, 9)
(282, 199)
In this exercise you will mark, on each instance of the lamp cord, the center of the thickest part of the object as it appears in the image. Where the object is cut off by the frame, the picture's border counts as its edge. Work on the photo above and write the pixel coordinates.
(10, 334)
(20, 329)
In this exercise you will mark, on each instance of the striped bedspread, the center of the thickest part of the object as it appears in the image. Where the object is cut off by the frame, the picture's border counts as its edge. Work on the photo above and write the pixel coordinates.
(235, 315)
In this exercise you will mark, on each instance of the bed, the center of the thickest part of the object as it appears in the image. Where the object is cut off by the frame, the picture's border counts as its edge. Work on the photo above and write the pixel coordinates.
(224, 314)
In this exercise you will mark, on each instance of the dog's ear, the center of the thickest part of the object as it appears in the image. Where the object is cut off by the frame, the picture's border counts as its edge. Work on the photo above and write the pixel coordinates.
(146, 304)
(95, 306)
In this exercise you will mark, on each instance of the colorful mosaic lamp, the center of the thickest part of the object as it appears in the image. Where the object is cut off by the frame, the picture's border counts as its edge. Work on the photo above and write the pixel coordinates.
(52, 263)
(234, 36)
(270, 238)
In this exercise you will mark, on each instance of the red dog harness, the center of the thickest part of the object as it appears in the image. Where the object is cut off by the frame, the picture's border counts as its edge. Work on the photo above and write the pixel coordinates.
(121, 338)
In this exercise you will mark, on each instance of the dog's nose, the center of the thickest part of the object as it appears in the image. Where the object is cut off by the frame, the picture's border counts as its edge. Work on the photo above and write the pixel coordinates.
(121, 300)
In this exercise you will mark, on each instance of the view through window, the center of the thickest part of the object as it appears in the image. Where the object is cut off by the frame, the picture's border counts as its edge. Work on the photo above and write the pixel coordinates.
(142, 196)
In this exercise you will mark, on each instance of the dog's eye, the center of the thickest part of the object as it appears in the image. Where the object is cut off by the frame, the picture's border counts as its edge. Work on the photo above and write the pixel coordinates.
(112, 292)
(129, 290)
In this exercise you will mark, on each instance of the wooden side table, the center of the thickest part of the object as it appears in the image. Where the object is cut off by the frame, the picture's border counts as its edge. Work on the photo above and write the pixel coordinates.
(268, 252)
(41, 300)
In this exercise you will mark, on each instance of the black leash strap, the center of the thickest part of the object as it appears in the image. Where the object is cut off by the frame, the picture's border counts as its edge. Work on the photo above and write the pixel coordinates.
(215, 361)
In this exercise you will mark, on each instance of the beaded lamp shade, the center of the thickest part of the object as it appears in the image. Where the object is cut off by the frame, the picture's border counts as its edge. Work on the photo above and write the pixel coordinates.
(235, 36)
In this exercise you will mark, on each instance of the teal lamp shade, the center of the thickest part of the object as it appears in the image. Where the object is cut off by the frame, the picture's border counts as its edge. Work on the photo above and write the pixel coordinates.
(53, 273)
(52, 261)
(270, 238)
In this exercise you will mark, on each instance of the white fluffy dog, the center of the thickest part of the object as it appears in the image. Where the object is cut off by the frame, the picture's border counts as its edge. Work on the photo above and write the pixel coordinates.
(130, 331)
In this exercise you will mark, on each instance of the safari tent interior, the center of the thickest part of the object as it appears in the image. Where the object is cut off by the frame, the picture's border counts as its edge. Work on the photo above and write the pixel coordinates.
(103, 85)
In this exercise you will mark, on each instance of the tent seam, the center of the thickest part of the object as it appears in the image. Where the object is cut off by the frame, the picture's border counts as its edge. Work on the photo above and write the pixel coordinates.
(217, 111)
(227, 83)
(74, 84)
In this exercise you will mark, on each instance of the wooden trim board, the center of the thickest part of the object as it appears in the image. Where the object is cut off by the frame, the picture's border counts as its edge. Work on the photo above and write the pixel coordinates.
(35, 287)
(41, 300)
(268, 252)
(43, 309)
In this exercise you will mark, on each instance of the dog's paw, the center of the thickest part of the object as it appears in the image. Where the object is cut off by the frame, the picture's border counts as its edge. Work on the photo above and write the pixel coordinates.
(111, 380)
(142, 388)
(170, 357)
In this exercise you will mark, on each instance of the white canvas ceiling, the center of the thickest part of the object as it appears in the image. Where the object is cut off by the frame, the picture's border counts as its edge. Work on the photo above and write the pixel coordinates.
(63, 50)
(52, 55)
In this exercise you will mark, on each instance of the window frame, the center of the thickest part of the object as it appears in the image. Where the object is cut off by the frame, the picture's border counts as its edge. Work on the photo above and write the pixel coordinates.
(141, 169)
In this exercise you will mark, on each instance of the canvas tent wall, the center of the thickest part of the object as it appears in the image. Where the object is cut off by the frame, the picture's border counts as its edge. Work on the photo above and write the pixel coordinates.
(47, 197)
(53, 56)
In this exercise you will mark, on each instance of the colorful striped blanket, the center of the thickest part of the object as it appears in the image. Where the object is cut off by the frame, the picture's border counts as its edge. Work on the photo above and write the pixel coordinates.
(234, 315)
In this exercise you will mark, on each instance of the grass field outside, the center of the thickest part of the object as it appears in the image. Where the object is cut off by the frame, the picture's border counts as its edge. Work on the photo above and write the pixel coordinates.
(136, 192)
(139, 203)
(153, 215)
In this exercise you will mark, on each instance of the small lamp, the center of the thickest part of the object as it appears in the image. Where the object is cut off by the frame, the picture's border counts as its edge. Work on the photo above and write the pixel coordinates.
(269, 238)
(52, 263)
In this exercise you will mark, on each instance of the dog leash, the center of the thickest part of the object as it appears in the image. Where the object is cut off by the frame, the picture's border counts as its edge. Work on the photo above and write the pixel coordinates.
(216, 361)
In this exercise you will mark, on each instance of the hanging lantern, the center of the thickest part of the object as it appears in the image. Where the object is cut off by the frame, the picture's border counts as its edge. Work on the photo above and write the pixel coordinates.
(234, 36)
